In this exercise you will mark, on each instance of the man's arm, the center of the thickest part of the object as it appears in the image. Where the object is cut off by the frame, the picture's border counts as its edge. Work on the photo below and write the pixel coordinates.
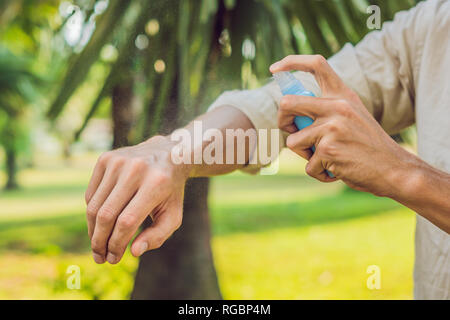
(223, 118)
(351, 144)
(382, 70)
(131, 183)
(426, 190)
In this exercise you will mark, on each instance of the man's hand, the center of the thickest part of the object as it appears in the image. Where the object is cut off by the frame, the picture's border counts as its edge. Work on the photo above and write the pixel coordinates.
(132, 183)
(348, 140)
(126, 187)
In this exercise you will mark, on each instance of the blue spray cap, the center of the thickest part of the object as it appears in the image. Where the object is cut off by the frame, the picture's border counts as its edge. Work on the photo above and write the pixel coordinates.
(291, 85)
(287, 80)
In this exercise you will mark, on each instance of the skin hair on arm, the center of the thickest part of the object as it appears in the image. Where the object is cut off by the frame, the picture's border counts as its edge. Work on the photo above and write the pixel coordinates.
(222, 118)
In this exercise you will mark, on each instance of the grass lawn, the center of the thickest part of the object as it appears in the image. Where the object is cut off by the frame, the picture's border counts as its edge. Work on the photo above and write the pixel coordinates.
(284, 236)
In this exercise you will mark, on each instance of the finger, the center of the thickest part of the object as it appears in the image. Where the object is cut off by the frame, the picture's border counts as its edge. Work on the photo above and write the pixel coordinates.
(99, 197)
(290, 128)
(96, 178)
(292, 105)
(160, 230)
(134, 214)
(315, 168)
(328, 80)
(304, 140)
(286, 121)
(108, 213)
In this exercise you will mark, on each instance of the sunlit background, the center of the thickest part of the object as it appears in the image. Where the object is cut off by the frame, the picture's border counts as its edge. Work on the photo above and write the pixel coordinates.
(80, 77)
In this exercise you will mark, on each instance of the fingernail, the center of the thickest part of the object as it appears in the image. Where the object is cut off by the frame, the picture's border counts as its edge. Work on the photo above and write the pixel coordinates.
(142, 248)
(274, 66)
(111, 258)
(98, 258)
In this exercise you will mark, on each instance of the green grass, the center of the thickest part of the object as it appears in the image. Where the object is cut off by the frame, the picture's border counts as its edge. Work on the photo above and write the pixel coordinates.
(274, 237)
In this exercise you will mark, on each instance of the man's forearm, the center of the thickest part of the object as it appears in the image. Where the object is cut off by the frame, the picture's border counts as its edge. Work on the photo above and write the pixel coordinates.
(221, 119)
(424, 189)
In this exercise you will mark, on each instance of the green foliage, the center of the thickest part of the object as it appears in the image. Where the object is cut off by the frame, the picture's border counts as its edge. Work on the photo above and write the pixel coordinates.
(16, 92)
(22, 20)
(80, 66)
(24, 35)
(16, 83)
(210, 45)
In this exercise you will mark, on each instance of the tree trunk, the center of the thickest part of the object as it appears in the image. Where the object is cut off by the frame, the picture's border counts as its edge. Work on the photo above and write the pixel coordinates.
(11, 169)
(183, 267)
(122, 114)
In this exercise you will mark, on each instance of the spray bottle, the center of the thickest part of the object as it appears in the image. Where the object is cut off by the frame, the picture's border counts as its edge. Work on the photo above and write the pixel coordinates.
(291, 85)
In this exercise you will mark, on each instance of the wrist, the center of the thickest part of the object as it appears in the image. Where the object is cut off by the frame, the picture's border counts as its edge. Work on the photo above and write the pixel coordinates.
(406, 179)
(164, 146)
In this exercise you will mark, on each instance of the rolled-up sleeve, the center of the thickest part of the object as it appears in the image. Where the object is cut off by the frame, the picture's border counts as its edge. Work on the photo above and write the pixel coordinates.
(383, 68)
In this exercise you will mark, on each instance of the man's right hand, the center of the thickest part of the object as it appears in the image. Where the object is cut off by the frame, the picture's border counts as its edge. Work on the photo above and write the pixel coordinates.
(127, 186)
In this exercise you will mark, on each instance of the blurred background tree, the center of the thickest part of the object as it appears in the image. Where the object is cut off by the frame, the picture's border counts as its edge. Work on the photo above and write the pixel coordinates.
(154, 65)
(15, 93)
(23, 25)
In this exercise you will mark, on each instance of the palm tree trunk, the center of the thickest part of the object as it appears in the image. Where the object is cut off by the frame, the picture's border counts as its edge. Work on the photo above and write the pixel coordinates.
(183, 267)
(122, 114)
(11, 169)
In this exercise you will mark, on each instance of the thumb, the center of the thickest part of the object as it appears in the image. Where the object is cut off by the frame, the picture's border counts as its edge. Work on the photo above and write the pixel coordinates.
(159, 231)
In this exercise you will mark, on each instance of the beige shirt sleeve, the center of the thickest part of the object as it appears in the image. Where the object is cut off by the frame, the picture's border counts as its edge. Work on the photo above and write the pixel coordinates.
(379, 69)
(383, 67)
